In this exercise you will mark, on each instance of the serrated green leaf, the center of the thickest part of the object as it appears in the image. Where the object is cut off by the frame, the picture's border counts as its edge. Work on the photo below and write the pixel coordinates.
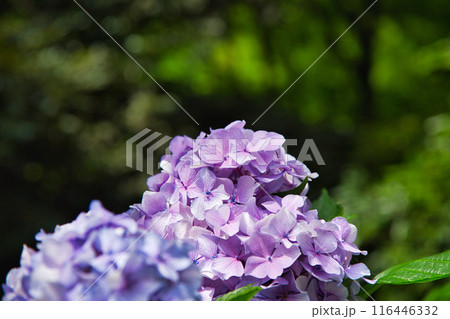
(242, 294)
(327, 207)
(418, 271)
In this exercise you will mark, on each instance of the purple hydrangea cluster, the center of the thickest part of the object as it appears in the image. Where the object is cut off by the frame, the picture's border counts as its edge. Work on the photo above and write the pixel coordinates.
(104, 256)
(217, 192)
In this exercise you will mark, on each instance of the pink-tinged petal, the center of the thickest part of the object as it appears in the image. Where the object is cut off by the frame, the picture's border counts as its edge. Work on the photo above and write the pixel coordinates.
(196, 232)
(213, 203)
(314, 259)
(205, 179)
(170, 192)
(293, 202)
(159, 223)
(198, 207)
(261, 244)
(180, 144)
(186, 174)
(207, 246)
(153, 202)
(230, 247)
(218, 217)
(227, 267)
(284, 222)
(232, 227)
(285, 257)
(258, 142)
(357, 271)
(205, 267)
(181, 229)
(272, 206)
(220, 193)
(211, 150)
(253, 209)
(245, 189)
(286, 243)
(243, 158)
(273, 141)
(194, 191)
(266, 225)
(260, 267)
(247, 224)
(294, 232)
(239, 124)
(207, 293)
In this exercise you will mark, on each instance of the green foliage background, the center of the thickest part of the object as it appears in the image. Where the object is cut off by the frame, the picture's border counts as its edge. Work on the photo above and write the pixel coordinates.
(377, 106)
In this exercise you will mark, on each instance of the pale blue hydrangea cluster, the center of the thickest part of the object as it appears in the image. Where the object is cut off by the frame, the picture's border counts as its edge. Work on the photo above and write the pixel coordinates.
(103, 256)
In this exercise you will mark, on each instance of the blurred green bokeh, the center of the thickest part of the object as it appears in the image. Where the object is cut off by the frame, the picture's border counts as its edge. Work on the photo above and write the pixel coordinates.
(376, 105)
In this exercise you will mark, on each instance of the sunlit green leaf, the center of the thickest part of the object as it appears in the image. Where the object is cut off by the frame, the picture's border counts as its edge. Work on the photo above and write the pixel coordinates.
(242, 294)
(418, 271)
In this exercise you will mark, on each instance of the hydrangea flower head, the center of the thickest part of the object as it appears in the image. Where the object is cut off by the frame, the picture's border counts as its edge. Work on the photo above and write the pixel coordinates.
(218, 193)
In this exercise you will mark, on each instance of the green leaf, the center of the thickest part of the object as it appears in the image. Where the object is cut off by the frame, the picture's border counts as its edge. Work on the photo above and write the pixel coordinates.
(414, 272)
(302, 186)
(242, 294)
(418, 271)
(296, 191)
(327, 207)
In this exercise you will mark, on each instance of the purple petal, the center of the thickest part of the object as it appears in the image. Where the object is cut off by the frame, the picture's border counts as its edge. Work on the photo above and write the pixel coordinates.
(230, 247)
(357, 271)
(198, 208)
(260, 267)
(153, 202)
(325, 242)
(228, 267)
(285, 257)
(220, 193)
(245, 189)
(261, 245)
(218, 217)
(205, 179)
